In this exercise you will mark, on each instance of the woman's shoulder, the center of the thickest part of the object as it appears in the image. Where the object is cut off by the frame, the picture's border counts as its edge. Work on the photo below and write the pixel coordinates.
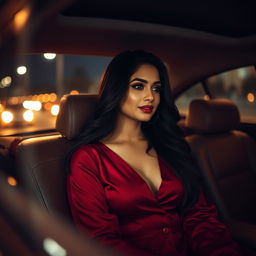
(88, 151)
(86, 158)
(91, 148)
(88, 155)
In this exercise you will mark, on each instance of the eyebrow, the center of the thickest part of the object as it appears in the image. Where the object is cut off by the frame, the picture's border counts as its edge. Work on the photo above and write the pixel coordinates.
(143, 81)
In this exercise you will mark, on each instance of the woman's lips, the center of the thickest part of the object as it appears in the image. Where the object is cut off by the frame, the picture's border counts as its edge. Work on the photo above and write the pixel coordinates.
(146, 109)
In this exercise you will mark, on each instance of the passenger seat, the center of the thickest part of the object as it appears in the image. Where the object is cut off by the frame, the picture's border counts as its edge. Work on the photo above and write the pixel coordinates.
(41, 160)
(227, 158)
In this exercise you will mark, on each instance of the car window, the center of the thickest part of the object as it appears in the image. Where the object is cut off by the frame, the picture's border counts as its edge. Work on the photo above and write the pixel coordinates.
(238, 85)
(31, 89)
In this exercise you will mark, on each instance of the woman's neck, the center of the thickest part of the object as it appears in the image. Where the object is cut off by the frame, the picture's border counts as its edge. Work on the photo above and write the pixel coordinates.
(126, 130)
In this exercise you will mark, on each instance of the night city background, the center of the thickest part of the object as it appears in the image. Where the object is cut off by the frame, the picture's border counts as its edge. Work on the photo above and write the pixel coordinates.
(37, 82)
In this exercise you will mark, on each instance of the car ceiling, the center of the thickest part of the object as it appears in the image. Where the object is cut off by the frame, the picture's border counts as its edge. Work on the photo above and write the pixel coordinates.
(228, 18)
(195, 40)
(174, 31)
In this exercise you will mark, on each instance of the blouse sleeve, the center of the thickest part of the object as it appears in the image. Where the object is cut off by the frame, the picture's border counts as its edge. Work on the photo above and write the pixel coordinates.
(207, 236)
(89, 207)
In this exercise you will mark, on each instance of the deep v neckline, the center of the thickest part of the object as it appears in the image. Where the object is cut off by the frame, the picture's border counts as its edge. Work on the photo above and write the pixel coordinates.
(136, 173)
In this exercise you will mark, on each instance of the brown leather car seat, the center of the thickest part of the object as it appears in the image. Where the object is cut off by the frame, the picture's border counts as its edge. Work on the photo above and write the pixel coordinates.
(28, 230)
(227, 158)
(41, 160)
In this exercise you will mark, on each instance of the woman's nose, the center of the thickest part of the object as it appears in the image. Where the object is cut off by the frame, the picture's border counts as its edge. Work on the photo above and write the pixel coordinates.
(149, 96)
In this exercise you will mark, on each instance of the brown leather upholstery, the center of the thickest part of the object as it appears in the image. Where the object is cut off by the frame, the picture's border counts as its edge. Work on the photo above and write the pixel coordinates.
(25, 227)
(41, 163)
(74, 111)
(212, 116)
(41, 160)
(227, 160)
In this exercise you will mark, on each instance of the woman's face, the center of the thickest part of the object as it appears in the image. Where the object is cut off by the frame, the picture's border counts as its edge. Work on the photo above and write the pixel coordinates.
(143, 94)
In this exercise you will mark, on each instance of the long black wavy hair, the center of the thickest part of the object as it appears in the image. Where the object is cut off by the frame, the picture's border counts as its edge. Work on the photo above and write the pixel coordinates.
(161, 132)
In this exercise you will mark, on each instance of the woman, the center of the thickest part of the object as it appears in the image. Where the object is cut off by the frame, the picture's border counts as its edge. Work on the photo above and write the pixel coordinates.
(132, 183)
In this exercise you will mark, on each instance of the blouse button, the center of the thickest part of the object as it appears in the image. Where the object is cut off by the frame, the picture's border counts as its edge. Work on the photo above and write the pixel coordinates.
(166, 230)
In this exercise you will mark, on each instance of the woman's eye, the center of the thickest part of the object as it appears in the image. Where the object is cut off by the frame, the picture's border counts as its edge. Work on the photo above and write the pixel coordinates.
(157, 89)
(138, 86)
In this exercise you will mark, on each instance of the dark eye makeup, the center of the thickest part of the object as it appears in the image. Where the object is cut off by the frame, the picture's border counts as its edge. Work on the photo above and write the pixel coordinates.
(140, 86)
(157, 88)
(137, 86)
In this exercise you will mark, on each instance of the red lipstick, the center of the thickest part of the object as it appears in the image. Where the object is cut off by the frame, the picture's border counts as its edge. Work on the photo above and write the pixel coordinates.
(146, 108)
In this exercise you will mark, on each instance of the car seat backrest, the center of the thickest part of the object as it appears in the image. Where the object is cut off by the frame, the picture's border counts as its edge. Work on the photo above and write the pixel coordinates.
(75, 111)
(41, 160)
(226, 157)
(28, 230)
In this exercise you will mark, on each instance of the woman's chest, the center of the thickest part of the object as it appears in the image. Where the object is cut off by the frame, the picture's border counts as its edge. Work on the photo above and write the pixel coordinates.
(128, 193)
(145, 164)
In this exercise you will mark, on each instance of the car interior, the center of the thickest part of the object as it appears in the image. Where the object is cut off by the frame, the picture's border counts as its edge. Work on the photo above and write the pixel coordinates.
(223, 145)
(34, 232)
(227, 182)
(229, 174)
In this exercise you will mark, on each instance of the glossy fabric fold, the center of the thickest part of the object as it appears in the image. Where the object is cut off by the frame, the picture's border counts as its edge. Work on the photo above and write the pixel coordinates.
(114, 204)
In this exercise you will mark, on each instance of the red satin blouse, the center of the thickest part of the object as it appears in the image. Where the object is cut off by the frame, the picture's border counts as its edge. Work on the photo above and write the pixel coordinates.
(112, 202)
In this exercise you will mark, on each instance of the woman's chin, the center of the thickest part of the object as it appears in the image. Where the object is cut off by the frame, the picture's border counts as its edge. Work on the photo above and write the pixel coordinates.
(146, 119)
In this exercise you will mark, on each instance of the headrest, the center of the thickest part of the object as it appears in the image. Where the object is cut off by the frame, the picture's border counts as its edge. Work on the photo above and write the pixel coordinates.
(212, 116)
(74, 111)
